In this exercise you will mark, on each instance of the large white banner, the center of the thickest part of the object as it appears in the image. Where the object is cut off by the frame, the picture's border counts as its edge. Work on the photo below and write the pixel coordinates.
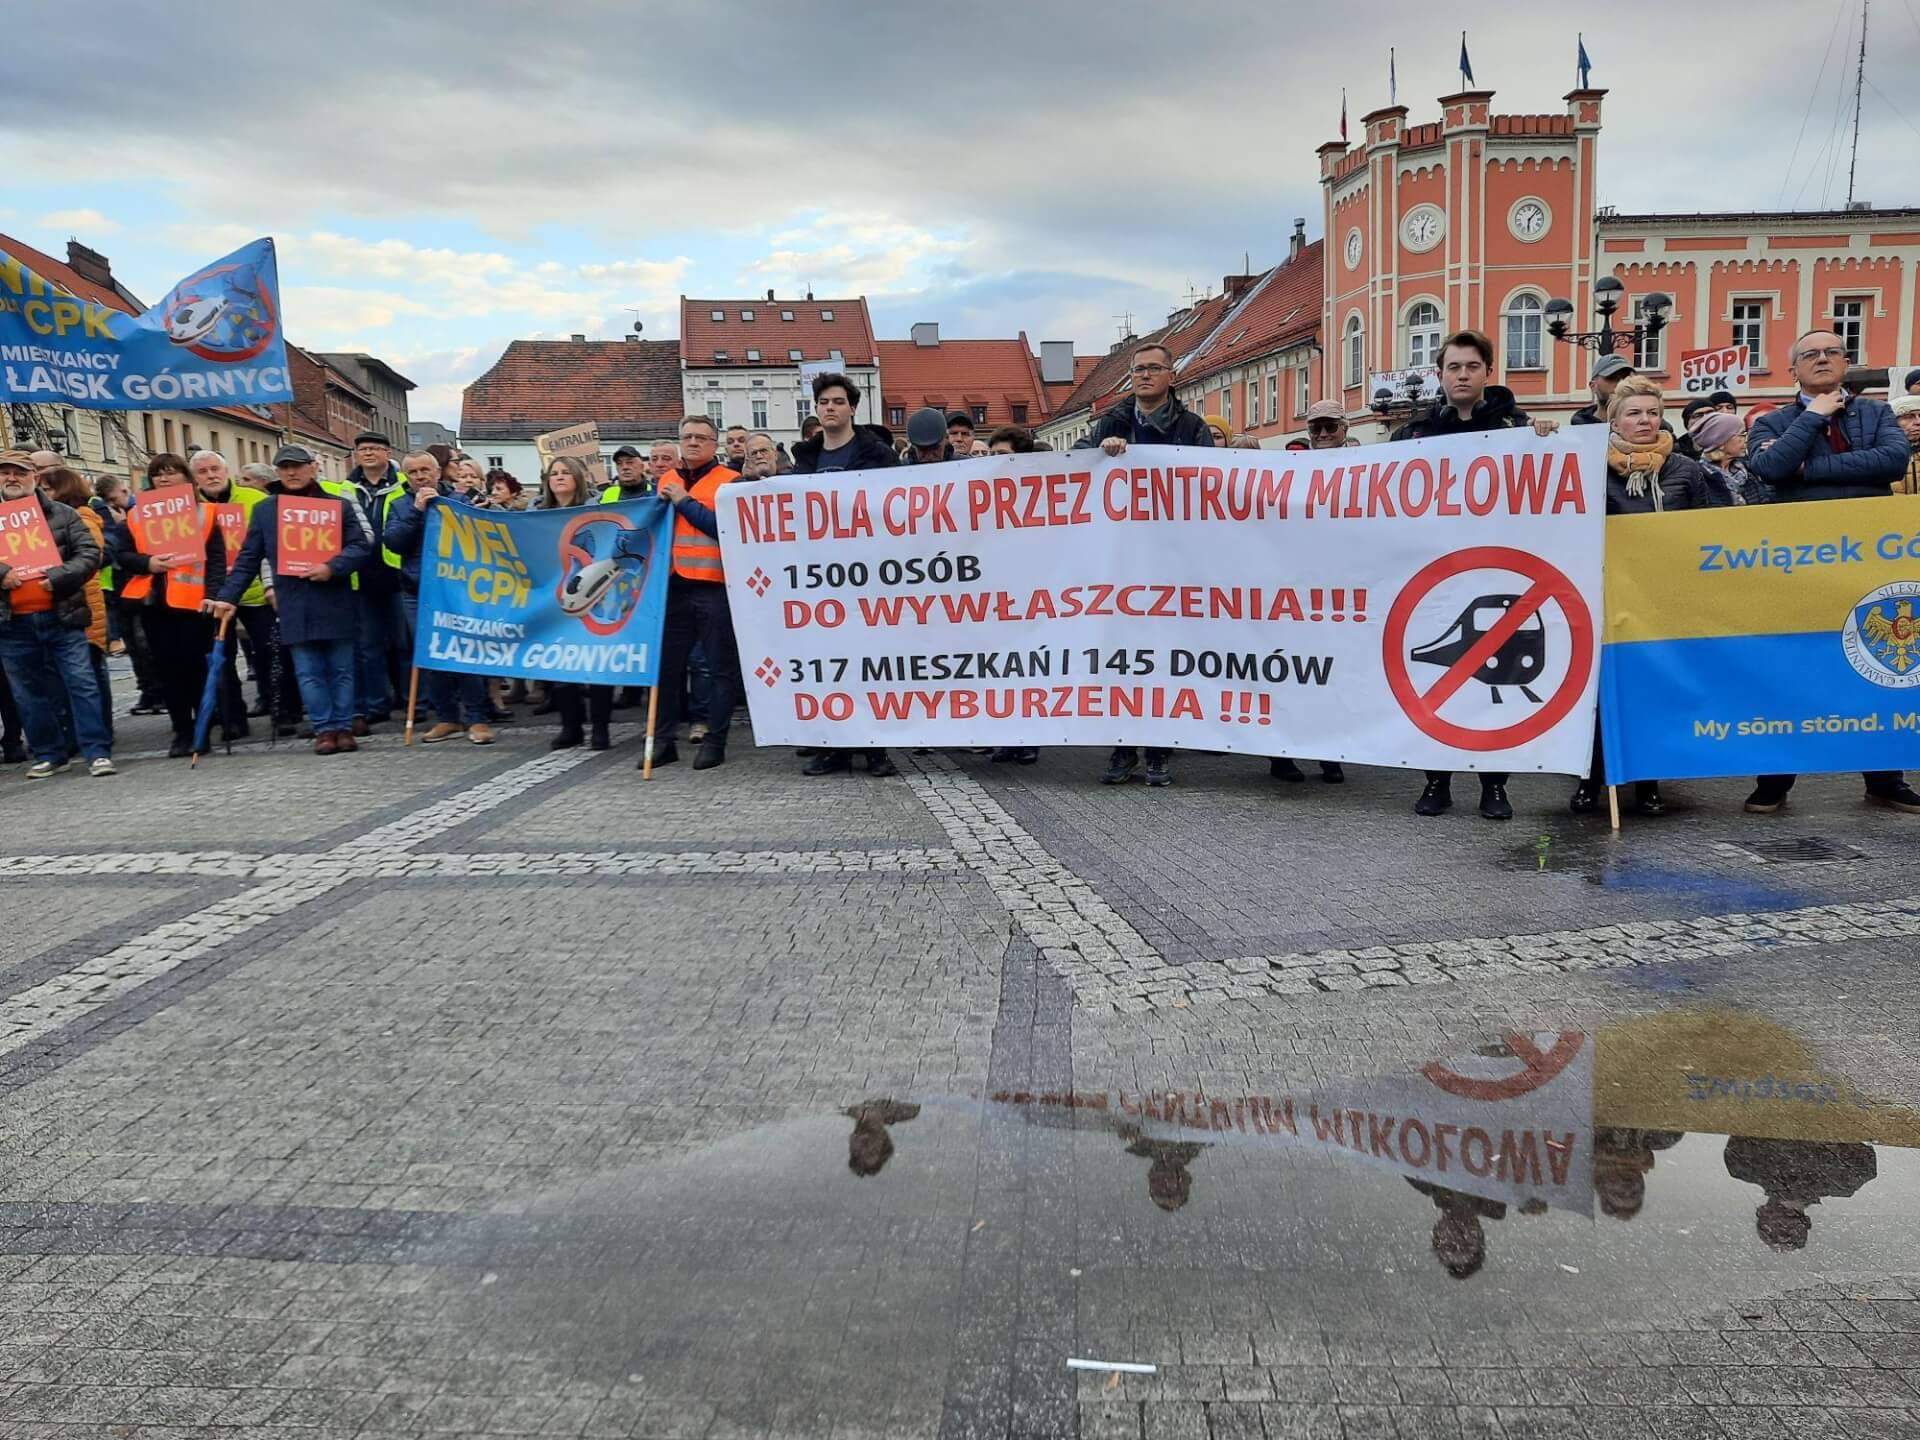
(1431, 604)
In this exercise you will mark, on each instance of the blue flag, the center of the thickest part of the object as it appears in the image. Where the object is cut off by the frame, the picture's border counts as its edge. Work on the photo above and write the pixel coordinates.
(577, 595)
(1466, 65)
(215, 339)
(1583, 64)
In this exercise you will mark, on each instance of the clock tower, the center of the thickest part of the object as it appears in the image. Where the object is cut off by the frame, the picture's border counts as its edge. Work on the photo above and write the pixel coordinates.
(1468, 222)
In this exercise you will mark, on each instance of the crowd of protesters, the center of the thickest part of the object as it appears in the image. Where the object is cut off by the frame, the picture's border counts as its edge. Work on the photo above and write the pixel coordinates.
(335, 645)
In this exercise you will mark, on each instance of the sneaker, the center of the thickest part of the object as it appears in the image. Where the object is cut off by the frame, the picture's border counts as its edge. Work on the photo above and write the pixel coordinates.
(481, 734)
(1586, 798)
(712, 753)
(1120, 767)
(667, 754)
(1436, 799)
(880, 764)
(1766, 802)
(1646, 798)
(1333, 772)
(1158, 774)
(1284, 769)
(45, 769)
(1901, 797)
(1494, 804)
(344, 743)
(324, 743)
(827, 762)
(445, 730)
(101, 766)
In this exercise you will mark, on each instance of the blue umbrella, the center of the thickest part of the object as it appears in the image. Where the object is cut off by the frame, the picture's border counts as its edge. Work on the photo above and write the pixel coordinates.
(211, 693)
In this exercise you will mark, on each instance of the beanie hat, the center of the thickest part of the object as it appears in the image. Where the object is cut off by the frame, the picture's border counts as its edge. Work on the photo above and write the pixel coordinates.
(1714, 429)
(1907, 404)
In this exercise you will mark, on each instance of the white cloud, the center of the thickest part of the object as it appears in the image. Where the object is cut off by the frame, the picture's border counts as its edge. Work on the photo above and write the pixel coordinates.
(78, 222)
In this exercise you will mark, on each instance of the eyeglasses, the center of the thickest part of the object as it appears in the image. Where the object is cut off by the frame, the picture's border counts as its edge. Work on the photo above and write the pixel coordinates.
(1318, 427)
(1832, 352)
(1150, 369)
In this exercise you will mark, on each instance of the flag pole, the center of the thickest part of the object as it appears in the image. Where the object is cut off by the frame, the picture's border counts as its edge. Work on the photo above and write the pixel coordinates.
(653, 713)
(413, 698)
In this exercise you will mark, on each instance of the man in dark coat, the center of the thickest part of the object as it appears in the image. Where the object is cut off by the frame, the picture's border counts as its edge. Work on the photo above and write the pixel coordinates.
(1828, 445)
(43, 635)
(1152, 416)
(317, 610)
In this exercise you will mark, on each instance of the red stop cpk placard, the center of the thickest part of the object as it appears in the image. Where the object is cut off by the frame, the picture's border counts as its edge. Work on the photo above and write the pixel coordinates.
(166, 525)
(309, 535)
(26, 544)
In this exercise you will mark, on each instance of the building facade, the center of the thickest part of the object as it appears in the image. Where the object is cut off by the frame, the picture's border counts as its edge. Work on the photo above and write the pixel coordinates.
(385, 386)
(994, 382)
(751, 362)
(629, 388)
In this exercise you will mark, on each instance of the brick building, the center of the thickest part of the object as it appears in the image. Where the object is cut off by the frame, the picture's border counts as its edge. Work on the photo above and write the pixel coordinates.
(629, 388)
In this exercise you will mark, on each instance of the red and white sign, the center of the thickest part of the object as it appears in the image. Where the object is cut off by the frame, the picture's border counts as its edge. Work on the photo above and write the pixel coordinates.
(165, 522)
(1427, 604)
(309, 537)
(26, 542)
(1725, 368)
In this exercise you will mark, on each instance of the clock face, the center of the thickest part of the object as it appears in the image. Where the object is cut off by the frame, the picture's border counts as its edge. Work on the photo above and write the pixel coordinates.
(1422, 228)
(1529, 219)
(1353, 248)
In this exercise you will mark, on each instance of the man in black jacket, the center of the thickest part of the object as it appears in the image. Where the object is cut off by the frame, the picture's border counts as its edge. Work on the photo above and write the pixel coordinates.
(1153, 416)
(842, 445)
(1608, 372)
(43, 635)
(380, 640)
(1468, 405)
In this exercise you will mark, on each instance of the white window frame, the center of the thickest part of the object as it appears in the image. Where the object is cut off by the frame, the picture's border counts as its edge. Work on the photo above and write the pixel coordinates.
(717, 412)
(1855, 336)
(1273, 397)
(1253, 402)
(109, 441)
(1353, 347)
(496, 462)
(759, 412)
(1303, 389)
(1650, 356)
(1423, 337)
(802, 408)
(1524, 306)
(1226, 405)
(1750, 330)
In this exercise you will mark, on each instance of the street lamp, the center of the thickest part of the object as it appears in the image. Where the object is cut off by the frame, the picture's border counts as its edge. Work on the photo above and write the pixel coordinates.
(1607, 293)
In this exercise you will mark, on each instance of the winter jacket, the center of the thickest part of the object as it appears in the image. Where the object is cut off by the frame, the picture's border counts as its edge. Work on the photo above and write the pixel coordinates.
(1734, 484)
(1683, 486)
(96, 597)
(872, 450)
(407, 532)
(1790, 448)
(373, 496)
(127, 561)
(1496, 411)
(1123, 423)
(310, 610)
(912, 457)
(79, 560)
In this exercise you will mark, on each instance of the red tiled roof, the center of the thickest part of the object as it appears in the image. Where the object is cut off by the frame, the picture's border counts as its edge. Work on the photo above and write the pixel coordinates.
(998, 374)
(539, 385)
(1281, 308)
(1183, 334)
(60, 273)
(1058, 394)
(850, 331)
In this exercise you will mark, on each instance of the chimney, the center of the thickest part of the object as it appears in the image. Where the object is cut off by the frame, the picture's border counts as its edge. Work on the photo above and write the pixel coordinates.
(578, 339)
(1234, 286)
(1056, 362)
(926, 334)
(89, 264)
(769, 295)
(1298, 241)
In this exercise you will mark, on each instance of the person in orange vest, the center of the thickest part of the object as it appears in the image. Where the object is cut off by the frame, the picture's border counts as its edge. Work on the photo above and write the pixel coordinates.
(215, 483)
(697, 608)
(179, 635)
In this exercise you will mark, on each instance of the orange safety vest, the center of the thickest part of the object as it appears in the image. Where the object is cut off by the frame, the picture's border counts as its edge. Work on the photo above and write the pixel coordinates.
(696, 554)
(187, 586)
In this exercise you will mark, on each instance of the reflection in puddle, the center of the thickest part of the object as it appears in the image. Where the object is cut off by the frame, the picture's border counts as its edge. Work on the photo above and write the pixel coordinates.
(1600, 860)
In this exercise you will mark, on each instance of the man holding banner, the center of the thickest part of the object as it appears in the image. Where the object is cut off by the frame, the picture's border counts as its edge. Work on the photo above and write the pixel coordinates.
(459, 701)
(697, 596)
(314, 543)
(46, 558)
(1828, 445)
(231, 507)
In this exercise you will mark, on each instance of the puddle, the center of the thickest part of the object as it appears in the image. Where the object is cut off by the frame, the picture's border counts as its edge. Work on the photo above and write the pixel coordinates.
(1604, 860)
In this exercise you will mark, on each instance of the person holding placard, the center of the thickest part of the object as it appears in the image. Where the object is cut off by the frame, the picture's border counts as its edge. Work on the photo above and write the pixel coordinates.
(231, 506)
(46, 557)
(315, 543)
(168, 554)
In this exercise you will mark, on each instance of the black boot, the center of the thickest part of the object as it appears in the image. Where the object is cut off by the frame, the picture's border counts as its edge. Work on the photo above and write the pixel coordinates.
(828, 762)
(1120, 765)
(1586, 798)
(1282, 768)
(569, 705)
(1646, 798)
(712, 752)
(667, 754)
(599, 739)
(1437, 798)
(881, 764)
(1333, 772)
(1494, 804)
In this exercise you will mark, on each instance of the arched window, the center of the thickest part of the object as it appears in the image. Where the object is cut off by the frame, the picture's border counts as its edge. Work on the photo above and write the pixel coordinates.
(1354, 344)
(1526, 343)
(1423, 335)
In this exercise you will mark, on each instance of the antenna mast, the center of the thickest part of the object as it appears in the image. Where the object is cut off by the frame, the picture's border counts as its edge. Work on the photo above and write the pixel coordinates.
(1859, 80)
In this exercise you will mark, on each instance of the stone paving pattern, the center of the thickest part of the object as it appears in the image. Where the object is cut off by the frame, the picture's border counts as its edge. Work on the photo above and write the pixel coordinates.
(482, 1091)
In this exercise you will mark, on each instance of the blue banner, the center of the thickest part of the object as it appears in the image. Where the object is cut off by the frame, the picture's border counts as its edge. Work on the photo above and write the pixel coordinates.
(576, 595)
(216, 339)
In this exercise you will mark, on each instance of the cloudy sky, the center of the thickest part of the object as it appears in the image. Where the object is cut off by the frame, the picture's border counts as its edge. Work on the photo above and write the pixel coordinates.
(443, 176)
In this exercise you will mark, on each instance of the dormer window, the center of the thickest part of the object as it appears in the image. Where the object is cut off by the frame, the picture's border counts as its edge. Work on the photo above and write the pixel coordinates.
(786, 315)
(719, 315)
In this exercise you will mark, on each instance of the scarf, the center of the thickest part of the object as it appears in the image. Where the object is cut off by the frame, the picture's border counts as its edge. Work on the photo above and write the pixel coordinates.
(1161, 419)
(1638, 465)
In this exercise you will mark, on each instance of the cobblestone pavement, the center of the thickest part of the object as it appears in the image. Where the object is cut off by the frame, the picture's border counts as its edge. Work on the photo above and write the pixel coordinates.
(489, 1091)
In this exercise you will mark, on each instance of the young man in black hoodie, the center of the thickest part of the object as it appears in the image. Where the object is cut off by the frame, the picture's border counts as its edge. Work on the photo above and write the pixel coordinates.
(1468, 405)
(843, 445)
